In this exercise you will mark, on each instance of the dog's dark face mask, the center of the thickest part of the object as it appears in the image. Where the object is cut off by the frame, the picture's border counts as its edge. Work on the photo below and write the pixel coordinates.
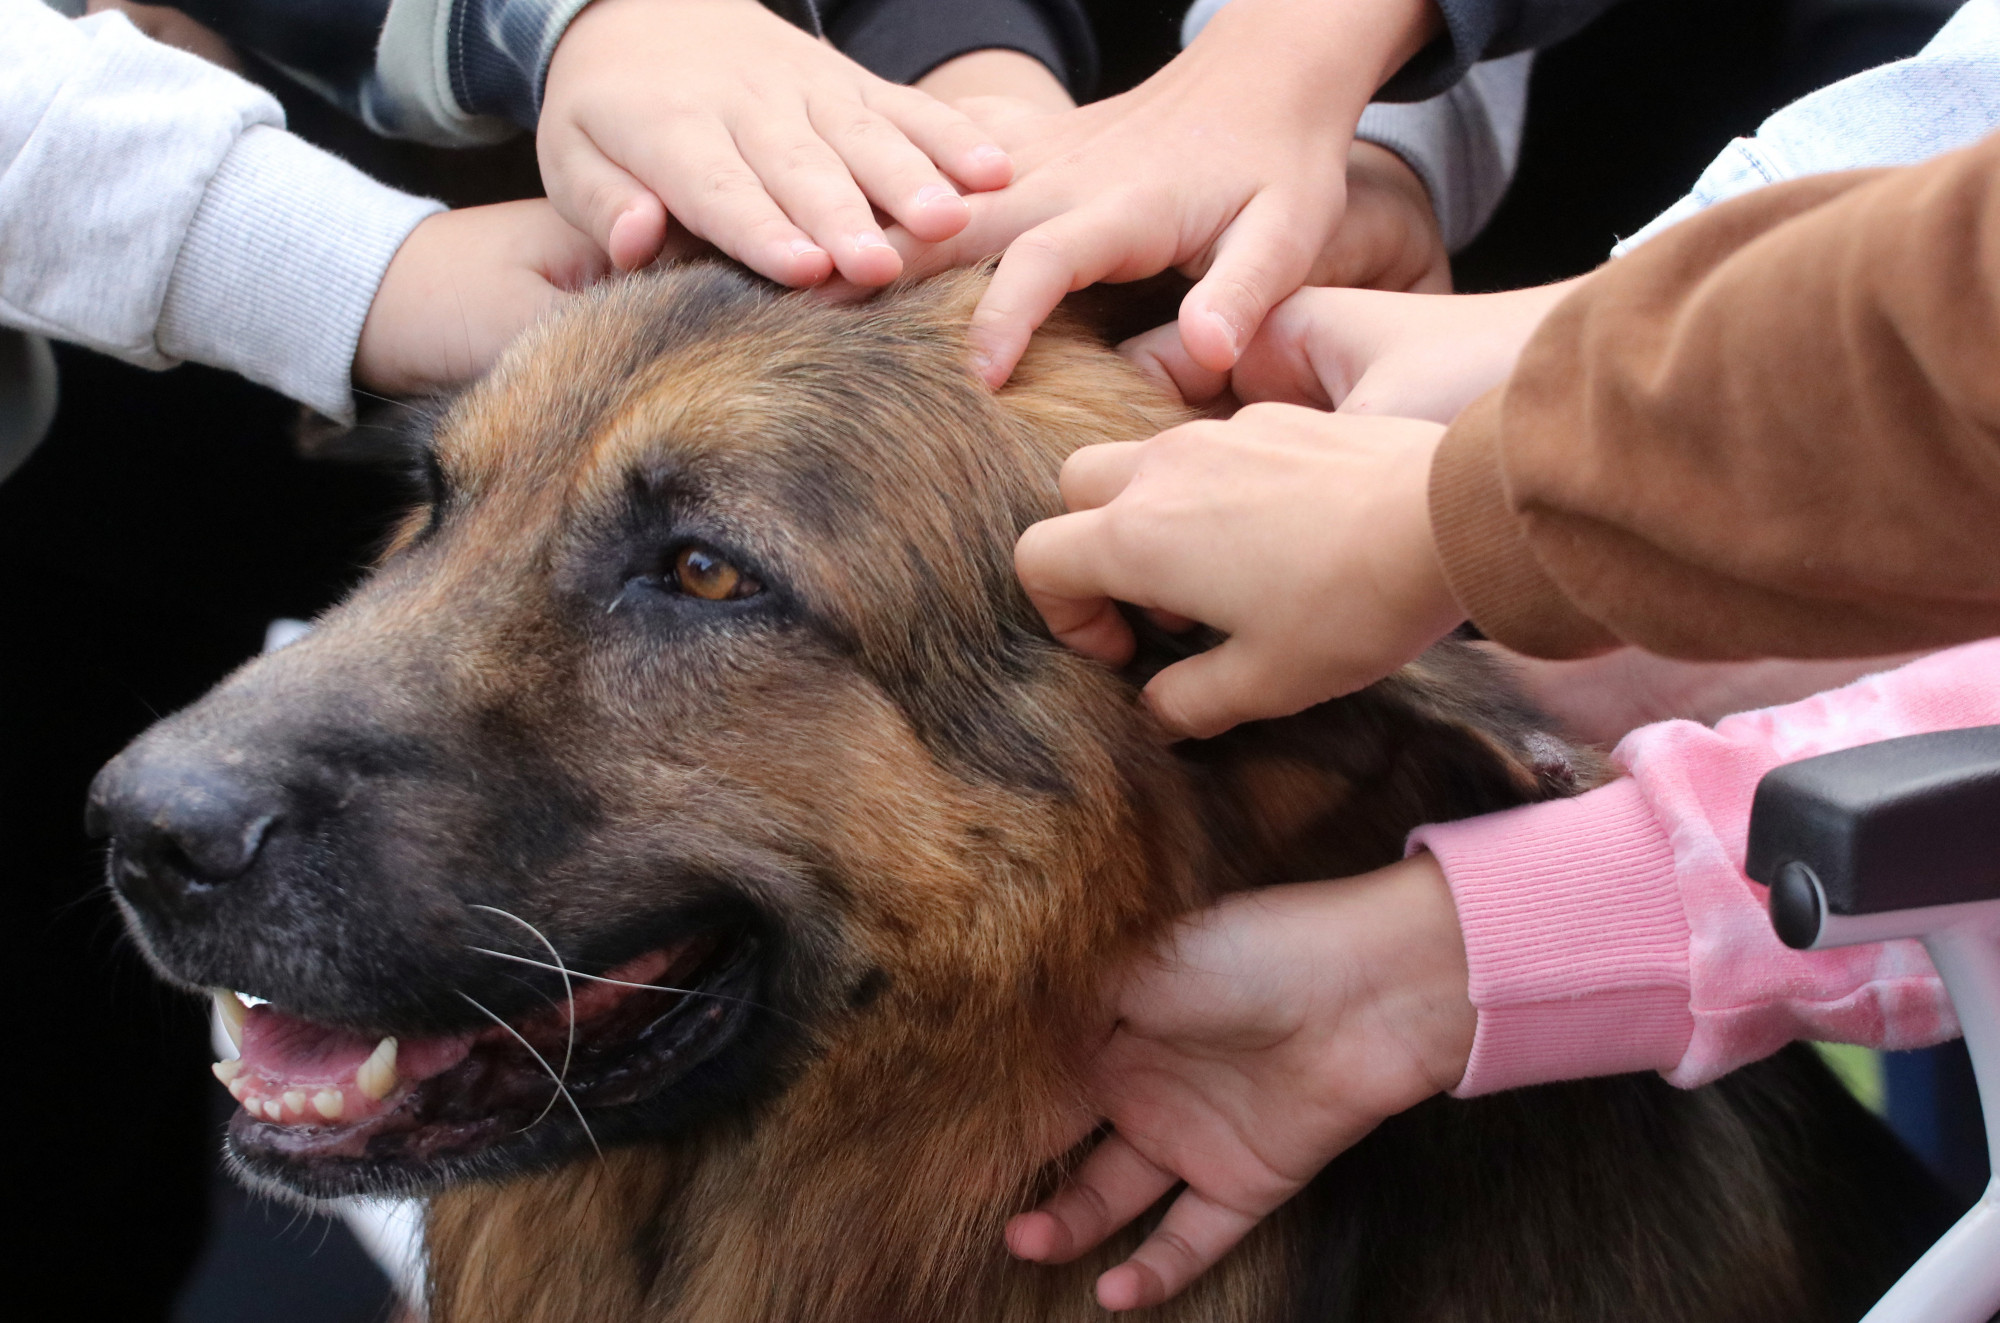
(701, 653)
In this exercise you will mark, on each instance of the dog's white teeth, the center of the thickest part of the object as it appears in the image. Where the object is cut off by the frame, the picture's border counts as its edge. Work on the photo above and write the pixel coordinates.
(378, 1073)
(295, 1101)
(274, 1110)
(230, 1011)
(330, 1103)
(227, 1070)
(239, 1088)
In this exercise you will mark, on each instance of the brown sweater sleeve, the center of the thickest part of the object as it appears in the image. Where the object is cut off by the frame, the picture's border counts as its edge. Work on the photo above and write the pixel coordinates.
(1774, 430)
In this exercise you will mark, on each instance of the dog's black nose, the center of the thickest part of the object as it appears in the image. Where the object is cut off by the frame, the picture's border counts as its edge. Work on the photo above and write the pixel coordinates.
(178, 827)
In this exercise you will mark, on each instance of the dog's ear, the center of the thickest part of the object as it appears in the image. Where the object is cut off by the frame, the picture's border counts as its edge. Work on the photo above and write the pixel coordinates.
(1335, 789)
(389, 435)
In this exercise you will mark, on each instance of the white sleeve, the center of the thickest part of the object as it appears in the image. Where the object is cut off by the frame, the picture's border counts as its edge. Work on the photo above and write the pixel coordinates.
(1945, 97)
(152, 207)
(1463, 143)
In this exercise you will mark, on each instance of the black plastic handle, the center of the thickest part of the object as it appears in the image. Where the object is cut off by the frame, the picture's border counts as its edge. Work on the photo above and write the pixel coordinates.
(1902, 824)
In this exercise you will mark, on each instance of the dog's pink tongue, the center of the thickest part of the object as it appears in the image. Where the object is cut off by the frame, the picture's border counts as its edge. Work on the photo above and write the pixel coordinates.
(293, 1071)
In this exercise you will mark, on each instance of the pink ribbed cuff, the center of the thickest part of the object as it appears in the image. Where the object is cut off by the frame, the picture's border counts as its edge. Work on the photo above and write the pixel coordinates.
(1576, 939)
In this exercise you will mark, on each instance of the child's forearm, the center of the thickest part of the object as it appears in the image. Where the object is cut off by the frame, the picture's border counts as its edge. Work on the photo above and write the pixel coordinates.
(1617, 932)
(159, 212)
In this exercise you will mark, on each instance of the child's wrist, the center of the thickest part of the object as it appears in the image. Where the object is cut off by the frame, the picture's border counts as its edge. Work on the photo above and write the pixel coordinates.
(1345, 51)
(1428, 601)
(1419, 972)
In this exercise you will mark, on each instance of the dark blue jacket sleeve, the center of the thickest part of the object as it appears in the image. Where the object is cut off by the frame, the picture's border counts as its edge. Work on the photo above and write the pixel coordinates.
(902, 40)
(1478, 30)
(328, 43)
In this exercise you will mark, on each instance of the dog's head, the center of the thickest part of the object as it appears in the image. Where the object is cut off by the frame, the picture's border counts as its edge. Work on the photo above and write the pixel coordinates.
(699, 696)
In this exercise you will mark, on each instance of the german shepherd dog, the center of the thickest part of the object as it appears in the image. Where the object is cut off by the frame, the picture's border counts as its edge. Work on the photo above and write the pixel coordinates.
(688, 860)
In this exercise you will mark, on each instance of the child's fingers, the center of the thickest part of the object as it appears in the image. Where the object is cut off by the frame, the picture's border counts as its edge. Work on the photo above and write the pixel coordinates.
(1073, 250)
(1161, 355)
(804, 175)
(638, 233)
(695, 166)
(1309, 349)
(628, 221)
(1058, 561)
(1191, 1239)
(961, 148)
(1208, 693)
(1114, 1185)
(1260, 259)
(890, 169)
(1094, 475)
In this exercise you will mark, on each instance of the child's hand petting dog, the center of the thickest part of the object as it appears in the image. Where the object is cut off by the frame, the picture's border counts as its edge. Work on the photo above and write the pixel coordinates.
(1304, 536)
(1228, 164)
(1365, 351)
(461, 287)
(753, 135)
(1272, 1033)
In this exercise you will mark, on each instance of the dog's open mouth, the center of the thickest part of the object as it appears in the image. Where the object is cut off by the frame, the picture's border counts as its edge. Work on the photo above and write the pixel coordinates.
(317, 1100)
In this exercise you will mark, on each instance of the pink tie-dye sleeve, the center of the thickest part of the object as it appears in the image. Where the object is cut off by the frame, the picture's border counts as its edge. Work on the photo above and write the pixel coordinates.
(1617, 932)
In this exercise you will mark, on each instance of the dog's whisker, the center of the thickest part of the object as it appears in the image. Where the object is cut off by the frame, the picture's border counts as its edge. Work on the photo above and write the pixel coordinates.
(569, 993)
(643, 987)
(561, 1088)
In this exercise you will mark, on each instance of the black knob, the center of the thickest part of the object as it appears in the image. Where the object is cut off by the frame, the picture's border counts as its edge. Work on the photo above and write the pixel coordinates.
(1798, 906)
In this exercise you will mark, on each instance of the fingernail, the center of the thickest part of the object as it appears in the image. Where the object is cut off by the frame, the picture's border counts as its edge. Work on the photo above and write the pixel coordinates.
(987, 153)
(930, 193)
(871, 239)
(1229, 333)
(806, 248)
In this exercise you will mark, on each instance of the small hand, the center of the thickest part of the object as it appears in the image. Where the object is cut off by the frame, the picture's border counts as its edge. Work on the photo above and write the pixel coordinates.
(1270, 1034)
(461, 287)
(1304, 536)
(1228, 165)
(1366, 352)
(772, 146)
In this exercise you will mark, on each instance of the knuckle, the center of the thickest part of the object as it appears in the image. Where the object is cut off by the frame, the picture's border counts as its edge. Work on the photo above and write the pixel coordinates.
(1177, 1249)
(799, 156)
(725, 184)
(1093, 1204)
(1040, 247)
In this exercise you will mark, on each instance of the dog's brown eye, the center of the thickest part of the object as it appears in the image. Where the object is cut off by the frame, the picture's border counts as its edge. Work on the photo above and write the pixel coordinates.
(699, 572)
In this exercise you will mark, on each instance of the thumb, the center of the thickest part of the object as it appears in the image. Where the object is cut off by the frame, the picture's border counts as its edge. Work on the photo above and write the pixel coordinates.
(625, 218)
(1207, 694)
(1259, 261)
(1160, 354)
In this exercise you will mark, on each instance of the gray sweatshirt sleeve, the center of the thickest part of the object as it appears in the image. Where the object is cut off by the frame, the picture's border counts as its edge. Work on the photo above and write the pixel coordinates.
(152, 207)
(1463, 143)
